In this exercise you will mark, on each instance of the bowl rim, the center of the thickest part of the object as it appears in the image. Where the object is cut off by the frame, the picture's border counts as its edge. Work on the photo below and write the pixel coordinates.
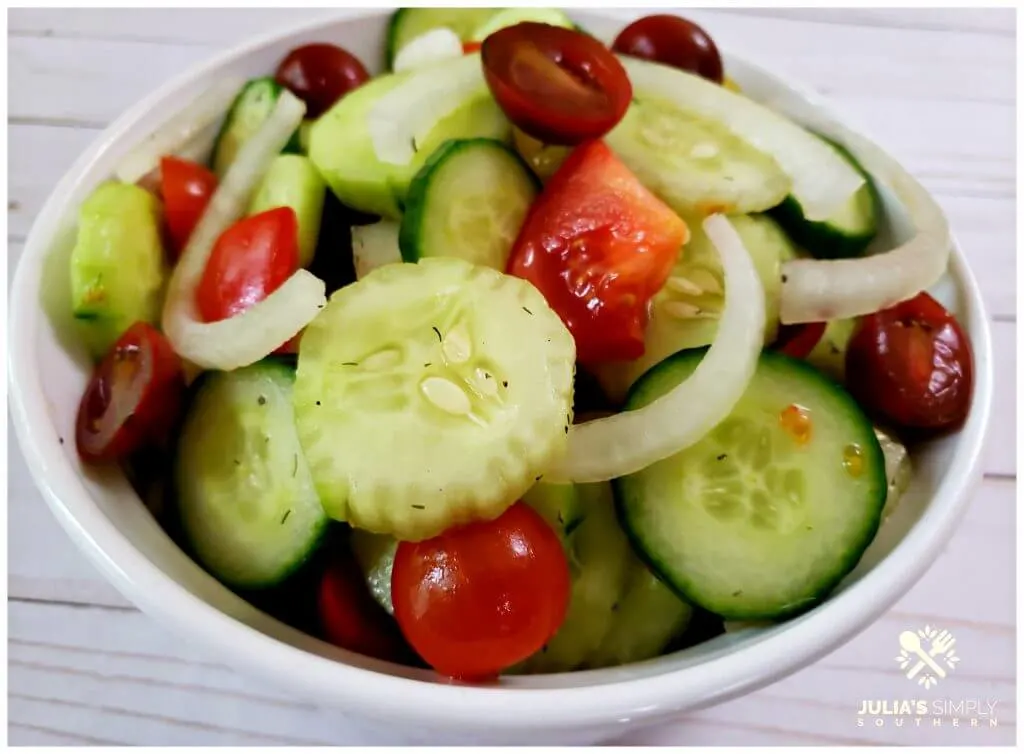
(384, 696)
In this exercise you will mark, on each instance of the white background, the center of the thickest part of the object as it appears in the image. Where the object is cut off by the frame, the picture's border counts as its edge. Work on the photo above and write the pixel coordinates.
(935, 87)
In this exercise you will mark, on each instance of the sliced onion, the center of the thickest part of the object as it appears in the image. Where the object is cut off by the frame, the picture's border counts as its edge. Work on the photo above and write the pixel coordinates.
(407, 114)
(247, 337)
(822, 181)
(814, 290)
(434, 46)
(374, 246)
(183, 134)
(630, 441)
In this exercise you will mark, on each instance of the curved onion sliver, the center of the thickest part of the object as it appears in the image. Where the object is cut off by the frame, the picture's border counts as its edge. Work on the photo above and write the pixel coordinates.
(247, 337)
(630, 441)
(815, 290)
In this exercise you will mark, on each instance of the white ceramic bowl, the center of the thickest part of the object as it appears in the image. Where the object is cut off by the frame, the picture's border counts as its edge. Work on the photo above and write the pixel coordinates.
(100, 512)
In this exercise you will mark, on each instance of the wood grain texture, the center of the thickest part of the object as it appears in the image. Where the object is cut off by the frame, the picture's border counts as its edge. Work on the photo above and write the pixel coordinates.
(935, 87)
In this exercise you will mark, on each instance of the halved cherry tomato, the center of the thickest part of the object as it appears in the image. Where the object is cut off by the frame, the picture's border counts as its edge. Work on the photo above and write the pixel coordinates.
(797, 341)
(186, 188)
(911, 366)
(250, 260)
(481, 597)
(351, 618)
(673, 41)
(556, 84)
(598, 245)
(320, 75)
(134, 397)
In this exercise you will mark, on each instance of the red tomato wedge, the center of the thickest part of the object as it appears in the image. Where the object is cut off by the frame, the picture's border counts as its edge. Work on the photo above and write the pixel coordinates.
(598, 245)
(250, 260)
(481, 597)
(468, 48)
(351, 619)
(186, 188)
(134, 398)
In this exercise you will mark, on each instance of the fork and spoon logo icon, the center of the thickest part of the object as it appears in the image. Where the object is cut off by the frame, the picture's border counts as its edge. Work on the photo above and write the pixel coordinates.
(929, 650)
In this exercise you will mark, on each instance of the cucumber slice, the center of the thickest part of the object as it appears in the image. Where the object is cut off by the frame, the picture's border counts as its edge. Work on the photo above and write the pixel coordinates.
(829, 354)
(375, 554)
(432, 394)
(469, 201)
(117, 265)
(815, 174)
(250, 109)
(409, 23)
(599, 561)
(561, 505)
(246, 498)
(695, 165)
(685, 312)
(764, 516)
(342, 149)
(513, 16)
(647, 619)
(303, 135)
(374, 246)
(292, 181)
(849, 231)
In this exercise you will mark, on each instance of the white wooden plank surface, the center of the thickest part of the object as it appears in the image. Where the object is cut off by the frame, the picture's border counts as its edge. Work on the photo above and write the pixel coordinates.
(934, 87)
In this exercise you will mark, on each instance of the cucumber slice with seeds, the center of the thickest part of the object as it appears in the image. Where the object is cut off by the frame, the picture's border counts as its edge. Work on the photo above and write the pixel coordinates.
(246, 499)
(468, 201)
(695, 165)
(432, 394)
(765, 515)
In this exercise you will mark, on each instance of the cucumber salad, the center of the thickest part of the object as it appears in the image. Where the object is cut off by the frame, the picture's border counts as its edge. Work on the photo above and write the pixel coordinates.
(531, 354)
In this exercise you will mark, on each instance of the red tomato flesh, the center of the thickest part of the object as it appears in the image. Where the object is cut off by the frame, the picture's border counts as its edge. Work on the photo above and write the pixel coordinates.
(673, 41)
(481, 597)
(320, 75)
(250, 260)
(911, 366)
(186, 188)
(350, 618)
(556, 84)
(134, 397)
(598, 245)
(797, 341)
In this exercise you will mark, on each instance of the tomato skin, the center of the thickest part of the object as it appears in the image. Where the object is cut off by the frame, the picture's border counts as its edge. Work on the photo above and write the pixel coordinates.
(320, 74)
(556, 84)
(911, 366)
(250, 260)
(481, 597)
(349, 616)
(186, 188)
(134, 397)
(673, 41)
(797, 341)
(598, 245)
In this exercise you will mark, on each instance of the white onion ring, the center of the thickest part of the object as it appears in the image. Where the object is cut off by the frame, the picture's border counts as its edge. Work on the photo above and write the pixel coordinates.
(249, 336)
(405, 116)
(632, 440)
(186, 134)
(817, 290)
